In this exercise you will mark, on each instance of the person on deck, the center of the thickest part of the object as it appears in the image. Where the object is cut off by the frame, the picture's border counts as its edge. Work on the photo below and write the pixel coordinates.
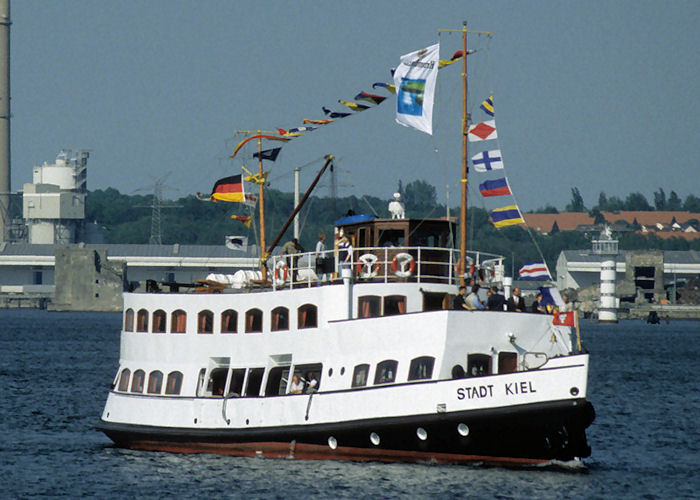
(321, 258)
(311, 383)
(297, 386)
(472, 300)
(459, 301)
(537, 306)
(345, 251)
(496, 301)
(290, 249)
(516, 303)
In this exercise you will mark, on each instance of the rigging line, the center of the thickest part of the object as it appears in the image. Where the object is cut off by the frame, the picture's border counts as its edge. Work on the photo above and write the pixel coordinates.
(364, 197)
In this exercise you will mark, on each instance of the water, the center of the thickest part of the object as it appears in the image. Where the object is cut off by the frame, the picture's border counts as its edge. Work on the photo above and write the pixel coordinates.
(55, 370)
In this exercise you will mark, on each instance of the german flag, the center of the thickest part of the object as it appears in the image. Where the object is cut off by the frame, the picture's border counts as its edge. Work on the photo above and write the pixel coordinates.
(229, 189)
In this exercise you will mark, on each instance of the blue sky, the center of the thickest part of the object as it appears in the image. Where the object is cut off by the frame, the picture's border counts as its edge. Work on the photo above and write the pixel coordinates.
(600, 95)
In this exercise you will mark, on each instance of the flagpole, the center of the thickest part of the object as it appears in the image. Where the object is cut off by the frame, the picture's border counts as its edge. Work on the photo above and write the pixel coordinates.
(465, 166)
(263, 256)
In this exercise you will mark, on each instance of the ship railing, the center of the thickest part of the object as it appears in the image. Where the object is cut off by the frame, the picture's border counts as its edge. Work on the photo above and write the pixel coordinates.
(385, 265)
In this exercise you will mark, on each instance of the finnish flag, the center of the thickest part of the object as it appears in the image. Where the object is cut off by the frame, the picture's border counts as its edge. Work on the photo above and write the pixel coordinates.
(487, 160)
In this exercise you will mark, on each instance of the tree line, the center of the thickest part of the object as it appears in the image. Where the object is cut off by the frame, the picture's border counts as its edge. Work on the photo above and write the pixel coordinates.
(633, 202)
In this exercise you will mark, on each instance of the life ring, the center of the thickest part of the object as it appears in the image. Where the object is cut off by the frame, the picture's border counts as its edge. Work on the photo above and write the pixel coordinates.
(281, 271)
(403, 265)
(367, 266)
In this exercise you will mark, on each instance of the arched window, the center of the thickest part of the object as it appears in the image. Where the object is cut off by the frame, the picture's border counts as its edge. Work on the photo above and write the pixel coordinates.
(205, 322)
(386, 372)
(129, 320)
(279, 319)
(124, 380)
(155, 382)
(369, 306)
(159, 321)
(142, 321)
(421, 368)
(229, 321)
(359, 375)
(137, 381)
(394, 304)
(174, 383)
(307, 316)
(178, 321)
(253, 321)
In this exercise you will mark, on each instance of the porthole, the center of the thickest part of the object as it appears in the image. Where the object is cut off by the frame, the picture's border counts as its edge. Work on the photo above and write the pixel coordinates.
(574, 391)
(463, 430)
(330, 372)
(332, 443)
(374, 439)
(421, 433)
(342, 370)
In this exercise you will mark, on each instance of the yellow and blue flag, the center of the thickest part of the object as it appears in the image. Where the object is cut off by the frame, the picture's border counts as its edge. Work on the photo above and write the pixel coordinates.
(507, 216)
(487, 106)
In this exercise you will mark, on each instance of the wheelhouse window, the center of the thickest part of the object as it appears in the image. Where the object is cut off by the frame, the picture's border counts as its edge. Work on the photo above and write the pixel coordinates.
(255, 376)
(124, 380)
(155, 382)
(178, 321)
(229, 321)
(369, 306)
(277, 379)
(307, 316)
(359, 375)
(235, 386)
(478, 365)
(279, 319)
(129, 320)
(386, 372)
(205, 322)
(142, 321)
(421, 368)
(137, 381)
(253, 321)
(174, 383)
(394, 304)
(217, 381)
(159, 321)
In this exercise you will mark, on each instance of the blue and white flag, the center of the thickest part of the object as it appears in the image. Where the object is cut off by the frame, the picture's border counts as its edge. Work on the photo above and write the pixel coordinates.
(415, 83)
(534, 271)
(487, 160)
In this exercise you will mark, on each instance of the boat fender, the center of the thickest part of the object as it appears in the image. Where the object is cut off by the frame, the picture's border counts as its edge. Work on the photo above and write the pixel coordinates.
(280, 272)
(367, 266)
(403, 265)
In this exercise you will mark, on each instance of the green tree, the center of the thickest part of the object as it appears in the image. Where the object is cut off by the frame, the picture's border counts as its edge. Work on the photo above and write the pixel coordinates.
(674, 202)
(576, 204)
(547, 209)
(660, 199)
(637, 202)
(420, 199)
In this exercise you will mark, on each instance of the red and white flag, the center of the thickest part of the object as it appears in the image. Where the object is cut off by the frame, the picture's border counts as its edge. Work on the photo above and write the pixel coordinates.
(565, 318)
(482, 131)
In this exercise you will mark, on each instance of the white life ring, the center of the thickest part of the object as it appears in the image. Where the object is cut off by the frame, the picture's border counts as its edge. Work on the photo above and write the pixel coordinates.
(403, 265)
(367, 265)
(280, 272)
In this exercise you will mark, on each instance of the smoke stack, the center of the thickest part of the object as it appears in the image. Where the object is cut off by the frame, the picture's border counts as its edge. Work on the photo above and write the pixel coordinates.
(4, 117)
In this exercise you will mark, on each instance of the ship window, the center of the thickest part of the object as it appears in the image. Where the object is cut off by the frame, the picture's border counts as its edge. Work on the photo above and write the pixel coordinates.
(229, 321)
(129, 320)
(280, 319)
(137, 381)
(307, 316)
(205, 322)
(174, 383)
(369, 306)
(155, 382)
(359, 375)
(277, 381)
(142, 321)
(391, 238)
(421, 368)
(255, 376)
(306, 372)
(433, 301)
(386, 372)
(394, 304)
(478, 365)
(200, 381)
(235, 386)
(253, 321)
(159, 321)
(124, 380)
(217, 381)
(178, 321)
(507, 362)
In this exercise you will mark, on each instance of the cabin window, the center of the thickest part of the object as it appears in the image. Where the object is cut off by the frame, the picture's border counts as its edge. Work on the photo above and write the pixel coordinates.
(155, 382)
(507, 362)
(359, 375)
(386, 372)
(310, 372)
(280, 319)
(478, 365)
(277, 381)
(307, 316)
(229, 321)
(369, 306)
(217, 381)
(421, 368)
(394, 304)
(458, 372)
(235, 386)
(159, 321)
(129, 320)
(433, 301)
(255, 376)
(137, 381)
(142, 321)
(391, 238)
(174, 383)
(124, 380)
(253, 321)
(205, 322)
(178, 321)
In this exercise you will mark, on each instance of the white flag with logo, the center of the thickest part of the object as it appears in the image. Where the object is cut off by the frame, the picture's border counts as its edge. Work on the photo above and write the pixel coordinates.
(236, 242)
(415, 88)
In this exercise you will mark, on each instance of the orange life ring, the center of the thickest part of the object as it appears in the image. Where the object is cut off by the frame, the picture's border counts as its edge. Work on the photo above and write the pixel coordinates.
(367, 266)
(281, 272)
(403, 272)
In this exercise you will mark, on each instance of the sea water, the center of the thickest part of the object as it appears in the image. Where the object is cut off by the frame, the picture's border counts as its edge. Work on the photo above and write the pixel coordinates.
(56, 369)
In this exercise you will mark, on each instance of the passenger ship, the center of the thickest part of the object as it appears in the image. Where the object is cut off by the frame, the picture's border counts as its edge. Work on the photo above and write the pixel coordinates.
(391, 372)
